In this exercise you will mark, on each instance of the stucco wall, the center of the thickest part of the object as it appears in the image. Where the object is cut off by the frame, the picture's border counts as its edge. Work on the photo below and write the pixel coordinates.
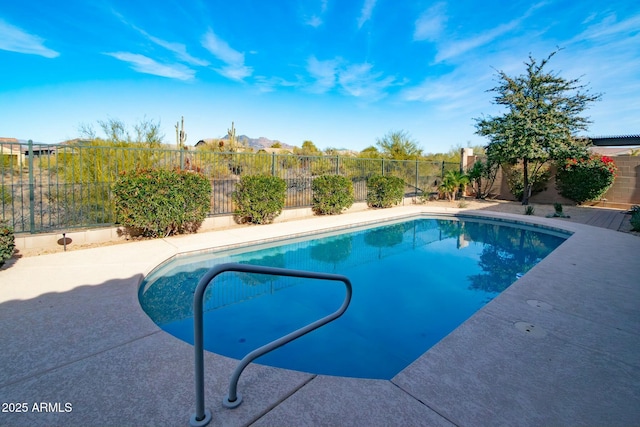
(624, 193)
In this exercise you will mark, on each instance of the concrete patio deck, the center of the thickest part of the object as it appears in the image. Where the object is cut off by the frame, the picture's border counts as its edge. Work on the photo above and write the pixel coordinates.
(73, 336)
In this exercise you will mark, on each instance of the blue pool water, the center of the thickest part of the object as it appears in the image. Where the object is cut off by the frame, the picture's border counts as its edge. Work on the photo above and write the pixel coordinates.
(413, 283)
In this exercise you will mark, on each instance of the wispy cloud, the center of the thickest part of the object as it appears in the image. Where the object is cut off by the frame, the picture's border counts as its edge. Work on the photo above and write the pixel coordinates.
(315, 20)
(430, 25)
(179, 49)
(235, 68)
(17, 40)
(146, 65)
(457, 48)
(359, 80)
(463, 91)
(610, 26)
(438, 89)
(235, 72)
(605, 56)
(324, 74)
(366, 12)
(270, 84)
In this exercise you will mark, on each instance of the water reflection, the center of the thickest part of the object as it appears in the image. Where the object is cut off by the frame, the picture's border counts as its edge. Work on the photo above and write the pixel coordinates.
(501, 254)
(333, 250)
(508, 252)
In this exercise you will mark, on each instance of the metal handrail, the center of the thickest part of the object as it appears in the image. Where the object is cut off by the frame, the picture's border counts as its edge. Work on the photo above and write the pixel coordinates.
(202, 417)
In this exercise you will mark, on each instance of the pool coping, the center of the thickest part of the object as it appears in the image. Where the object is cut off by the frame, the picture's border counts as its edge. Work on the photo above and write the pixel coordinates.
(595, 362)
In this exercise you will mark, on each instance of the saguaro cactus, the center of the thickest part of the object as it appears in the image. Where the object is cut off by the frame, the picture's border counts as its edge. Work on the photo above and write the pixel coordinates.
(181, 135)
(231, 133)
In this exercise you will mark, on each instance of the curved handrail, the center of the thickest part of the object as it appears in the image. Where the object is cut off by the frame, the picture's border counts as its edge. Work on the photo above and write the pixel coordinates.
(202, 416)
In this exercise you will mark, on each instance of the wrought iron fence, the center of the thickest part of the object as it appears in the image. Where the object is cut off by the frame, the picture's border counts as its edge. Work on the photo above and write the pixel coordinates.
(53, 187)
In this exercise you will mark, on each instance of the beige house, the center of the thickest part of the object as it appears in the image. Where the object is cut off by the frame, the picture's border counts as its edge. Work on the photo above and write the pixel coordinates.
(10, 152)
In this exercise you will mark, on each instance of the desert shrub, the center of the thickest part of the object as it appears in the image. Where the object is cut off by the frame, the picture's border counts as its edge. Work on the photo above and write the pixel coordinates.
(158, 203)
(585, 179)
(558, 208)
(5, 196)
(384, 191)
(7, 242)
(515, 180)
(482, 176)
(259, 198)
(635, 218)
(332, 194)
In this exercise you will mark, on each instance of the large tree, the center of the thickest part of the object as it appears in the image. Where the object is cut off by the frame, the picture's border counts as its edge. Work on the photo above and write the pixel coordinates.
(543, 115)
(147, 133)
(399, 145)
(308, 149)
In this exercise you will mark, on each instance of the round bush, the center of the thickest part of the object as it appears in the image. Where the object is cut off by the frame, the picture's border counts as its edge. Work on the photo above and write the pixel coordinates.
(332, 194)
(7, 242)
(259, 198)
(384, 191)
(585, 179)
(158, 203)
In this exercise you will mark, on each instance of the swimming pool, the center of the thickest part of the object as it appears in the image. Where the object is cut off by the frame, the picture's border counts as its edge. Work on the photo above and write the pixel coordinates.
(414, 281)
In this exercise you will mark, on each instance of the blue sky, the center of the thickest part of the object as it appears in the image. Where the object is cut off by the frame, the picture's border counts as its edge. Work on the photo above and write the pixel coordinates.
(340, 73)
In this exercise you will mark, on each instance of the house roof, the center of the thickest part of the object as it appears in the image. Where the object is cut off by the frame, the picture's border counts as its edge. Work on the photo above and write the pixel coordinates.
(615, 141)
(275, 150)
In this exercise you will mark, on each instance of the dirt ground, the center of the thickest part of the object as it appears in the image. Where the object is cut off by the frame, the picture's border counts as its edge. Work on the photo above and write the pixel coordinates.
(576, 213)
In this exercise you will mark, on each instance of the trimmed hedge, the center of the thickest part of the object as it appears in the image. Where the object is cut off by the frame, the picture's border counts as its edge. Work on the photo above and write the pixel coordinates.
(7, 242)
(332, 194)
(259, 199)
(585, 179)
(384, 191)
(159, 203)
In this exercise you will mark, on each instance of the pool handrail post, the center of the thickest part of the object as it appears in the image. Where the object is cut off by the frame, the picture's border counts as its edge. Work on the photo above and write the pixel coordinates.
(202, 417)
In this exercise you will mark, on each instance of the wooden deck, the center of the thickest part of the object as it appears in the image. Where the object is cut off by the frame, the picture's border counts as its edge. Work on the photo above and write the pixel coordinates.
(606, 218)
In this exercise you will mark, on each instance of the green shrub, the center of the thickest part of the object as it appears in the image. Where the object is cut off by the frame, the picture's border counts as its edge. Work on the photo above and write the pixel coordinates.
(635, 218)
(5, 196)
(453, 182)
(332, 194)
(558, 212)
(7, 242)
(482, 176)
(384, 191)
(585, 179)
(529, 210)
(259, 198)
(515, 180)
(158, 203)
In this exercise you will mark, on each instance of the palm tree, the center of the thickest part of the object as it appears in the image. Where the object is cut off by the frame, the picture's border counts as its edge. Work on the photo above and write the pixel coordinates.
(452, 182)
